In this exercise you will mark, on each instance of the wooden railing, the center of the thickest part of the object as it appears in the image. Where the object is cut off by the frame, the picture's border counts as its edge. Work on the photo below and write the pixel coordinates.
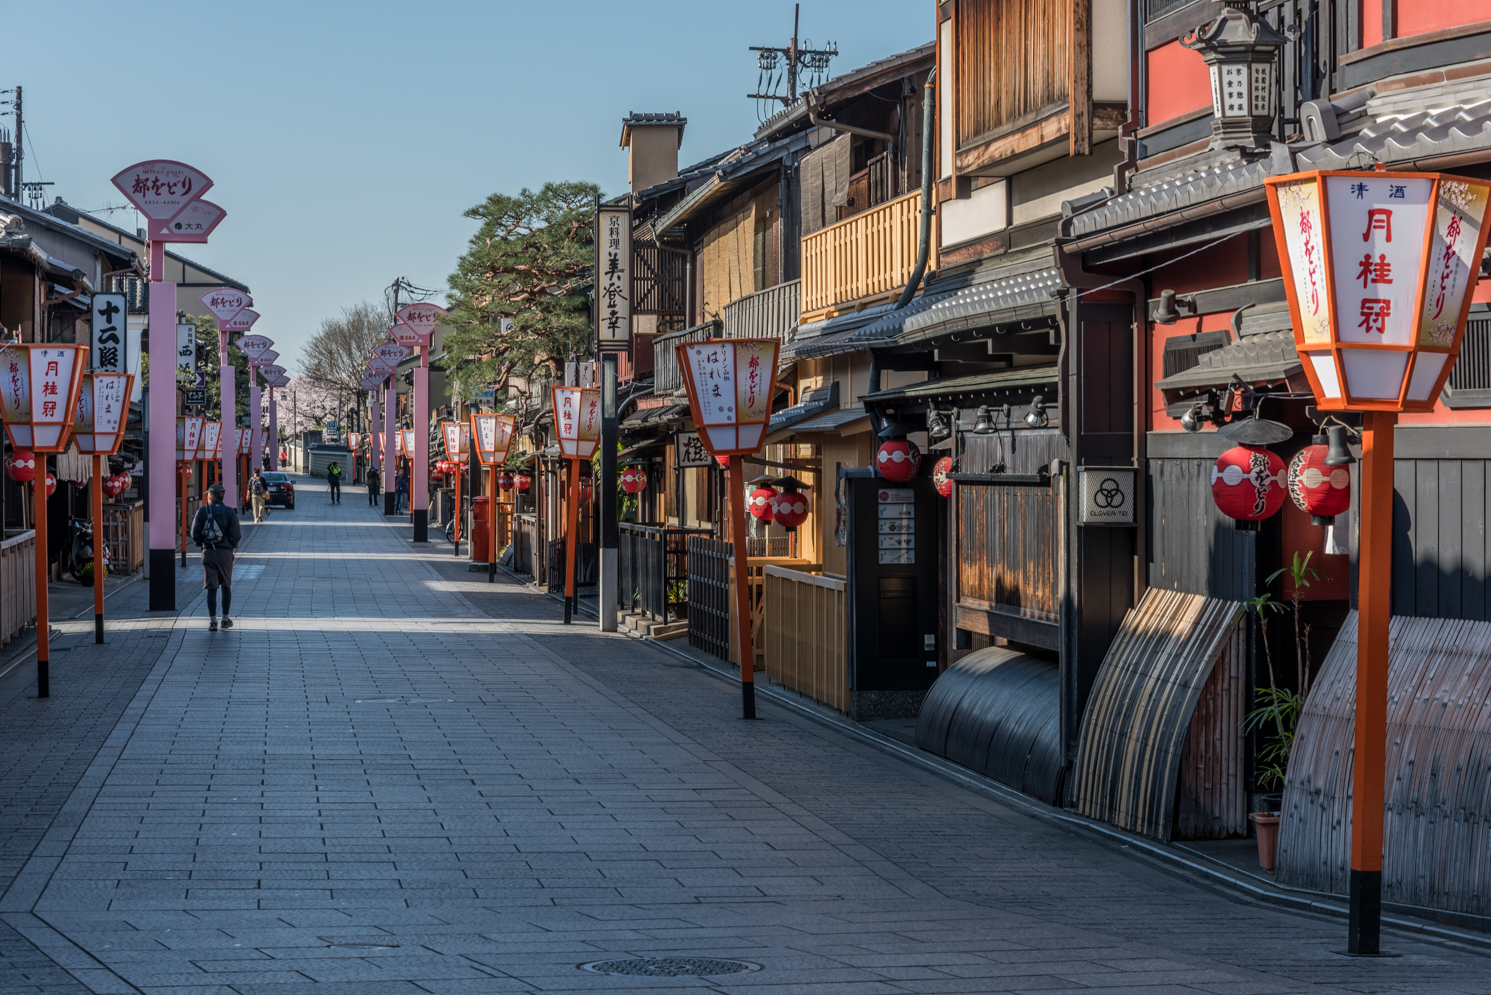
(766, 314)
(666, 376)
(870, 253)
(124, 536)
(805, 634)
(17, 584)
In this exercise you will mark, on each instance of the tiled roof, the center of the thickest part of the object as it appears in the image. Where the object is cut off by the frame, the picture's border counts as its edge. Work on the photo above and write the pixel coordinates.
(868, 329)
(1255, 359)
(983, 304)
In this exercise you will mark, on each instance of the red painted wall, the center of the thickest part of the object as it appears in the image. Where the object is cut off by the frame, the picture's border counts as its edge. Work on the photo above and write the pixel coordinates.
(1176, 82)
(1416, 17)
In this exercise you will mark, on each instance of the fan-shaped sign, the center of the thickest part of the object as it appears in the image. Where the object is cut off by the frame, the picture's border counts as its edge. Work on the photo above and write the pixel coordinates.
(422, 318)
(280, 382)
(392, 353)
(406, 336)
(272, 372)
(254, 346)
(224, 303)
(266, 358)
(193, 223)
(161, 188)
(240, 323)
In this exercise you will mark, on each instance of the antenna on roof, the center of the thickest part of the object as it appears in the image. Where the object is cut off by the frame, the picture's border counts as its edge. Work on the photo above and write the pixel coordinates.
(799, 62)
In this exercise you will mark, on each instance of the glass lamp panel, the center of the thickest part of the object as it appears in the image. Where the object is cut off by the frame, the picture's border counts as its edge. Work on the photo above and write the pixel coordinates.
(755, 363)
(721, 437)
(1234, 89)
(1374, 374)
(1426, 369)
(1263, 90)
(1453, 262)
(1216, 88)
(1304, 242)
(1377, 226)
(749, 436)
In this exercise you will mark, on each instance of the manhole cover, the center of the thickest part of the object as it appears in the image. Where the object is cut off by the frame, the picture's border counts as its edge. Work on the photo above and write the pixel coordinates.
(670, 967)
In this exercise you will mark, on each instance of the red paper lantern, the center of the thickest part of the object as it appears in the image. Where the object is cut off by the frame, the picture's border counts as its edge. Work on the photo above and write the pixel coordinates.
(1247, 483)
(21, 467)
(1323, 491)
(760, 503)
(505, 481)
(723, 461)
(115, 485)
(51, 483)
(790, 507)
(898, 460)
(940, 476)
(523, 481)
(184, 468)
(633, 479)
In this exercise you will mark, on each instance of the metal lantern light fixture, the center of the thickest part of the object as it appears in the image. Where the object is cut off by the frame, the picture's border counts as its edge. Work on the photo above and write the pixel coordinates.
(1036, 416)
(1240, 50)
(984, 421)
(577, 422)
(98, 429)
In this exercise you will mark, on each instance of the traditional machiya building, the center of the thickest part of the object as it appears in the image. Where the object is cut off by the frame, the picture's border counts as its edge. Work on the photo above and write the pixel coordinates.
(1173, 294)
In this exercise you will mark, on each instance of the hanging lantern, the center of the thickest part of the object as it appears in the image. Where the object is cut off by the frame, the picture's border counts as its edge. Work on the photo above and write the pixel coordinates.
(51, 483)
(898, 460)
(790, 507)
(523, 481)
(184, 469)
(940, 476)
(21, 467)
(505, 480)
(115, 485)
(1247, 483)
(723, 461)
(761, 503)
(633, 479)
(1322, 490)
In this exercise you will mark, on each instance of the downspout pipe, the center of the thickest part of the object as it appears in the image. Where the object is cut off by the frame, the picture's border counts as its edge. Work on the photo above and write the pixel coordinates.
(812, 101)
(924, 239)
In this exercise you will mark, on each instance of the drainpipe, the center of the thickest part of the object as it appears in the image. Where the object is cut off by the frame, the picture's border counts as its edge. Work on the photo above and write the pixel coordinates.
(812, 101)
(1126, 132)
(924, 240)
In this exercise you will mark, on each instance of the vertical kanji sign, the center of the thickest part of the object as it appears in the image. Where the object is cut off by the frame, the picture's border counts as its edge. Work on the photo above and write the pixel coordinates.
(613, 278)
(110, 336)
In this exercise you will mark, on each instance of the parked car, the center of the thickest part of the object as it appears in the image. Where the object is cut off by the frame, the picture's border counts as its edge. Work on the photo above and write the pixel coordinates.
(281, 489)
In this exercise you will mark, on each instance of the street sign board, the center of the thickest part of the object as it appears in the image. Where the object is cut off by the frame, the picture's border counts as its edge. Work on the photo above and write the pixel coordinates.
(186, 351)
(1107, 495)
(224, 303)
(422, 318)
(110, 334)
(193, 223)
(266, 358)
(254, 346)
(196, 397)
(406, 336)
(391, 353)
(692, 451)
(613, 268)
(241, 322)
(161, 188)
(272, 372)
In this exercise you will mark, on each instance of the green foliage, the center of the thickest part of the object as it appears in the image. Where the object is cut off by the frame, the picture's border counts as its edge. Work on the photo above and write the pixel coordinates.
(530, 261)
(626, 504)
(1278, 717)
(209, 364)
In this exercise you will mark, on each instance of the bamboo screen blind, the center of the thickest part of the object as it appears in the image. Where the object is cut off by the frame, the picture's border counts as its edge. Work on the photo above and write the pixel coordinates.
(1013, 59)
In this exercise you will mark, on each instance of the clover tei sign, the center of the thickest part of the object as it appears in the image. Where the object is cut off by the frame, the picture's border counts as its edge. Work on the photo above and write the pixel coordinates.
(1379, 268)
(577, 420)
(161, 188)
(1107, 495)
(224, 303)
(730, 383)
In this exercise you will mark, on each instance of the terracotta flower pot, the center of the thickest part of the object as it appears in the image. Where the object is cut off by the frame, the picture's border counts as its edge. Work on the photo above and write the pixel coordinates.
(1268, 838)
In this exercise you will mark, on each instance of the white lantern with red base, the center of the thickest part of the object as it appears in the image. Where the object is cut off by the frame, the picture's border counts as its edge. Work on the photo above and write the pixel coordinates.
(577, 422)
(39, 387)
(1380, 268)
(98, 429)
(731, 383)
(492, 437)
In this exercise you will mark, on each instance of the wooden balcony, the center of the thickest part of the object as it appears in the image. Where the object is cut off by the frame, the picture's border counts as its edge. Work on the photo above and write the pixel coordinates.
(870, 254)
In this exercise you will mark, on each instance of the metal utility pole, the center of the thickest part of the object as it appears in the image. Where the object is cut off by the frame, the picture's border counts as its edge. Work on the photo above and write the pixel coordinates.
(812, 62)
(391, 400)
(20, 143)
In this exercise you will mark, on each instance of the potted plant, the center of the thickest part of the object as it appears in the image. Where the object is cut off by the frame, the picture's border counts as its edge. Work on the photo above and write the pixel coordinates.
(1279, 709)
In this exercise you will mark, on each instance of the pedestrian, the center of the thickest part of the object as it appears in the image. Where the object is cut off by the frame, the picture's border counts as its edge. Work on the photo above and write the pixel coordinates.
(216, 532)
(400, 492)
(259, 494)
(334, 478)
(284, 458)
(373, 481)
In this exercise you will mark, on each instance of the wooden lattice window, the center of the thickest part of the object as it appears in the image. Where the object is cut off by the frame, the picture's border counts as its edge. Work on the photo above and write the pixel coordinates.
(1469, 385)
(1013, 63)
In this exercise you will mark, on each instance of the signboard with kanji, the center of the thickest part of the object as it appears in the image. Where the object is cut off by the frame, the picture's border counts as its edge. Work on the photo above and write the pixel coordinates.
(577, 420)
(254, 346)
(161, 188)
(188, 437)
(730, 384)
(272, 372)
(212, 438)
(493, 435)
(421, 319)
(457, 438)
(613, 284)
(192, 223)
(241, 322)
(39, 394)
(110, 336)
(407, 337)
(224, 303)
(390, 354)
(186, 352)
(691, 450)
(103, 403)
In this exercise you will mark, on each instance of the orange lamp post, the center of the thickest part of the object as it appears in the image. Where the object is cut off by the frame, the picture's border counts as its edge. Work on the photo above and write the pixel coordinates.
(493, 437)
(354, 442)
(577, 420)
(98, 429)
(1379, 268)
(188, 441)
(730, 384)
(39, 387)
(457, 436)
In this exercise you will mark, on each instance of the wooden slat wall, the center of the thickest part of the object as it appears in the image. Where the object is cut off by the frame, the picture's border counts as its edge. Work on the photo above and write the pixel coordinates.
(873, 252)
(1193, 547)
(806, 635)
(1013, 60)
(1140, 708)
(1441, 551)
(17, 585)
(1437, 822)
(1212, 797)
(768, 313)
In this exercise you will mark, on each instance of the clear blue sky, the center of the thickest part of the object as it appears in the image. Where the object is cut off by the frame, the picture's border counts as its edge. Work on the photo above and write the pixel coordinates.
(346, 139)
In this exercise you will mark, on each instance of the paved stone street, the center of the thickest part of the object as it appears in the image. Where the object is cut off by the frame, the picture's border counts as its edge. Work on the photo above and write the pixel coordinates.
(393, 777)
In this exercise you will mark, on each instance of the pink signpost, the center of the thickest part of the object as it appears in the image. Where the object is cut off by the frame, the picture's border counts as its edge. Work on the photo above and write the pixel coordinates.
(162, 190)
(418, 322)
(260, 353)
(387, 357)
(226, 304)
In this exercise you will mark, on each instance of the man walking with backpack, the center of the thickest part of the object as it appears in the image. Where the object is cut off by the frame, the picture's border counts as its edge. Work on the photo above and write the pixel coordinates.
(374, 481)
(215, 530)
(259, 492)
(334, 478)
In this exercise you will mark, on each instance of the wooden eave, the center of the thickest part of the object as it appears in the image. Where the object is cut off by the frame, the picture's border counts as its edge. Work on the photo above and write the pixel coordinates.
(984, 154)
